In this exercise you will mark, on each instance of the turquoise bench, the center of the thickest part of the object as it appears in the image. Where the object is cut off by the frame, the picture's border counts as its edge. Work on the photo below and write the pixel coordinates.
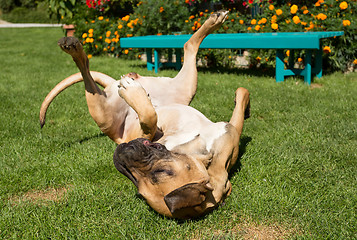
(309, 41)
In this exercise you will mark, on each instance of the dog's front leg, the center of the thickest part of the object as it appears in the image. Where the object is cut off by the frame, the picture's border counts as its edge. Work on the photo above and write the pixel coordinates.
(136, 97)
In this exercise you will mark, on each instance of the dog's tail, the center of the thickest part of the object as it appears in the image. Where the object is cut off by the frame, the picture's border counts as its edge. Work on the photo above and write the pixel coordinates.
(100, 78)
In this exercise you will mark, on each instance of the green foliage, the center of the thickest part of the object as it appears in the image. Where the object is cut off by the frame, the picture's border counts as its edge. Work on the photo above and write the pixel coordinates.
(64, 9)
(24, 15)
(176, 17)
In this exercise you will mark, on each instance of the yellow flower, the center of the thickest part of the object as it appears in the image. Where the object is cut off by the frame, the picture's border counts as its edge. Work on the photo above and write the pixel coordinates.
(90, 35)
(161, 9)
(288, 53)
(279, 12)
(126, 18)
(274, 26)
(253, 22)
(326, 49)
(100, 18)
(90, 30)
(271, 7)
(89, 56)
(293, 9)
(273, 19)
(120, 26)
(130, 24)
(108, 34)
(107, 40)
(126, 51)
(105, 49)
(296, 19)
(346, 23)
(287, 21)
(258, 59)
(241, 21)
(84, 35)
(257, 27)
(355, 62)
(343, 5)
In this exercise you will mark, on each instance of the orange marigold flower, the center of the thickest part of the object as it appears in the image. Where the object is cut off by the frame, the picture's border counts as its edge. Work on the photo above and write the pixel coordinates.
(343, 5)
(258, 58)
(288, 53)
(296, 19)
(317, 4)
(191, 17)
(107, 34)
(257, 27)
(187, 1)
(232, 20)
(107, 40)
(90, 30)
(304, 23)
(161, 9)
(84, 35)
(201, 14)
(326, 49)
(241, 21)
(346, 23)
(263, 20)
(90, 35)
(271, 7)
(355, 62)
(321, 16)
(130, 24)
(274, 26)
(249, 28)
(120, 26)
(293, 9)
(253, 22)
(193, 28)
(129, 35)
(279, 12)
(299, 59)
(287, 21)
(100, 18)
(305, 11)
(89, 55)
(126, 18)
(126, 51)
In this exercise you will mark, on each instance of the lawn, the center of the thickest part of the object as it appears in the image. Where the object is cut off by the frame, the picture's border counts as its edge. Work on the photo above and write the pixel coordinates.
(296, 177)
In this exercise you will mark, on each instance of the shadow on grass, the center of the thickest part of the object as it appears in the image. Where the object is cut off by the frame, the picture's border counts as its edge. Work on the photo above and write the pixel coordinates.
(244, 141)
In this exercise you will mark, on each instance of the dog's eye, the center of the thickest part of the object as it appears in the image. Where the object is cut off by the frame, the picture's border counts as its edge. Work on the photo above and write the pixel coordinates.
(163, 171)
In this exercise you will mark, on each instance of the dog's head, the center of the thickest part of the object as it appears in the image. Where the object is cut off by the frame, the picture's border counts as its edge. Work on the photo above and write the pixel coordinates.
(173, 184)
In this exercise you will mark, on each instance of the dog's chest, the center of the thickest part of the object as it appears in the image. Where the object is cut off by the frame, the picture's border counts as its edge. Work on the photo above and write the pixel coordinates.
(187, 127)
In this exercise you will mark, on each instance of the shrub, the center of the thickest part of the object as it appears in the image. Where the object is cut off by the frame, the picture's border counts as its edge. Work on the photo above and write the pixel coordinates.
(162, 17)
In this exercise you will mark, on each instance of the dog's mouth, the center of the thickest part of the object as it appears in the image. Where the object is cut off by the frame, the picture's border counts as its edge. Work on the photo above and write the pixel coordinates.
(138, 156)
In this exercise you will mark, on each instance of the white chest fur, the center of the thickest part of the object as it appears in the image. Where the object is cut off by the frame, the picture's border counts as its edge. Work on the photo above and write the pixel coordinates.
(182, 124)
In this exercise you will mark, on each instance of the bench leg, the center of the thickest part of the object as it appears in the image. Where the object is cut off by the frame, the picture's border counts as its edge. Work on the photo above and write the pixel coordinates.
(291, 59)
(178, 64)
(308, 72)
(157, 60)
(318, 63)
(279, 66)
(149, 63)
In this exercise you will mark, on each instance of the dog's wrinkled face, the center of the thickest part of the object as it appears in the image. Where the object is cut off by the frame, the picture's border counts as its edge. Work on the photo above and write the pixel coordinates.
(173, 184)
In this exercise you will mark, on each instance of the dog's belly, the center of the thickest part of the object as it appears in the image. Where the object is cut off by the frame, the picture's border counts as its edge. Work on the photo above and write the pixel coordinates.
(183, 124)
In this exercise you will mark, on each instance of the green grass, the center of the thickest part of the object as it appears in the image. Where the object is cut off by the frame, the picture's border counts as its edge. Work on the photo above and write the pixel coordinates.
(296, 176)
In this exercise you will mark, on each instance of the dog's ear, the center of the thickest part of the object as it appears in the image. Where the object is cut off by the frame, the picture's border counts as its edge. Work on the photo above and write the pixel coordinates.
(189, 195)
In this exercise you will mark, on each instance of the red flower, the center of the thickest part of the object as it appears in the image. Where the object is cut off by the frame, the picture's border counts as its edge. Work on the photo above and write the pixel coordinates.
(250, 1)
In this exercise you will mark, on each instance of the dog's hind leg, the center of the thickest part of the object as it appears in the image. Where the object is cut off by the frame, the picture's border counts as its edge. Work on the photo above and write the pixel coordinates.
(105, 106)
(185, 82)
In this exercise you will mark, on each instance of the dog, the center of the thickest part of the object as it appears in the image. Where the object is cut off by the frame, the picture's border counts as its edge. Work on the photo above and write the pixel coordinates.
(177, 158)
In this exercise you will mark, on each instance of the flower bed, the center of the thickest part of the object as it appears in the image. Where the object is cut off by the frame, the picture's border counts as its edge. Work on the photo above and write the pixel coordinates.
(101, 34)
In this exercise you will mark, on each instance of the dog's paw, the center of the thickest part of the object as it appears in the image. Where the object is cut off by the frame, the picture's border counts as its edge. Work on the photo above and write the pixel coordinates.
(216, 20)
(70, 45)
(130, 88)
